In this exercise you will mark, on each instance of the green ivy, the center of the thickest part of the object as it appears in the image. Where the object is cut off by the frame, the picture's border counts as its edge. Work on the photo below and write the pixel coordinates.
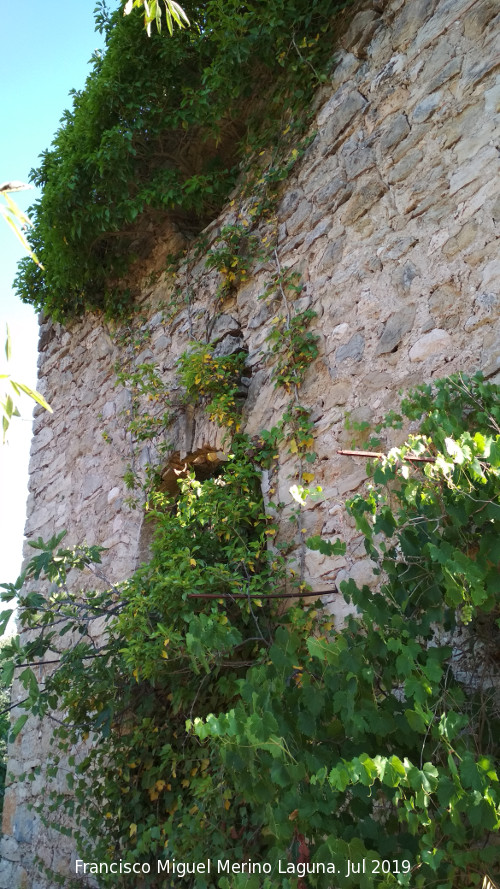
(214, 380)
(233, 730)
(158, 135)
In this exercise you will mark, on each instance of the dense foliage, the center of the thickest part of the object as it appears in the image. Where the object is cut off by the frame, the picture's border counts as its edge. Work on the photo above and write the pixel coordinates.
(226, 729)
(159, 134)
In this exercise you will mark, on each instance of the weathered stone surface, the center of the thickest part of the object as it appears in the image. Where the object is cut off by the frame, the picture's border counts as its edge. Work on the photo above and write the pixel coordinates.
(353, 349)
(468, 172)
(490, 278)
(479, 17)
(297, 220)
(358, 161)
(332, 255)
(223, 325)
(365, 196)
(341, 116)
(395, 129)
(396, 326)
(411, 18)
(426, 107)
(24, 825)
(444, 304)
(361, 31)
(228, 346)
(432, 343)
(462, 240)
(406, 166)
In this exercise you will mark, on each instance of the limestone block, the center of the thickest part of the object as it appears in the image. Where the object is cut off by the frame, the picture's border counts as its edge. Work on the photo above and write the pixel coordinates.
(341, 116)
(426, 107)
(433, 343)
(322, 228)
(409, 20)
(491, 276)
(396, 326)
(91, 483)
(11, 875)
(353, 349)
(299, 218)
(444, 304)
(396, 249)
(476, 73)
(360, 32)
(362, 573)
(228, 346)
(395, 128)
(492, 98)
(289, 204)
(417, 134)
(332, 195)
(41, 439)
(345, 69)
(447, 72)
(470, 120)
(479, 17)
(161, 343)
(9, 849)
(337, 393)
(223, 325)
(462, 240)
(24, 825)
(359, 161)
(366, 195)
(403, 277)
(474, 169)
(406, 166)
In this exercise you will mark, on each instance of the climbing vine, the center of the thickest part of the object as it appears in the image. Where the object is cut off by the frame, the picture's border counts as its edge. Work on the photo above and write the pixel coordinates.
(235, 731)
(159, 135)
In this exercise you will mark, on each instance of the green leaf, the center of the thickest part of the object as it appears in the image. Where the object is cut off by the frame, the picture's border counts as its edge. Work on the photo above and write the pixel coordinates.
(35, 396)
(337, 548)
(8, 345)
(18, 726)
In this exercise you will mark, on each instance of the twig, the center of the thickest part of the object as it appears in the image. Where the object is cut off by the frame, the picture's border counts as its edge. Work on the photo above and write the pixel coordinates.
(379, 454)
(256, 595)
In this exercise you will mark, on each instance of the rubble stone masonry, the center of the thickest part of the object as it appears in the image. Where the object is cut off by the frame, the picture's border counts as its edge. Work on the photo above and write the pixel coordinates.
(392, 219)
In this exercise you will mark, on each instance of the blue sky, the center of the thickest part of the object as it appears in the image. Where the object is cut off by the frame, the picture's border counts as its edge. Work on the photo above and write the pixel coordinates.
(45, 53)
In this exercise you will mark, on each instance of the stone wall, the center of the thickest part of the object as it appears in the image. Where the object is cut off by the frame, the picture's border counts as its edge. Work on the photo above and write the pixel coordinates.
(392, 219)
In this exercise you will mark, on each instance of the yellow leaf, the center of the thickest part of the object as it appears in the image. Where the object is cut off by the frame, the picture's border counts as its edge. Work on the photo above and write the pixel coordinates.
(185, 783)
(293, 447)
(133, 830)
(308, 476)
(227, 804)
(193, 810)
(164, 655)
(153, 795)
(192, 562)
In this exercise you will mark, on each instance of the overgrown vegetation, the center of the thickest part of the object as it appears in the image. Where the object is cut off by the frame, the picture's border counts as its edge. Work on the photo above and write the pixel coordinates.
(231, 730)
(160, 133)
